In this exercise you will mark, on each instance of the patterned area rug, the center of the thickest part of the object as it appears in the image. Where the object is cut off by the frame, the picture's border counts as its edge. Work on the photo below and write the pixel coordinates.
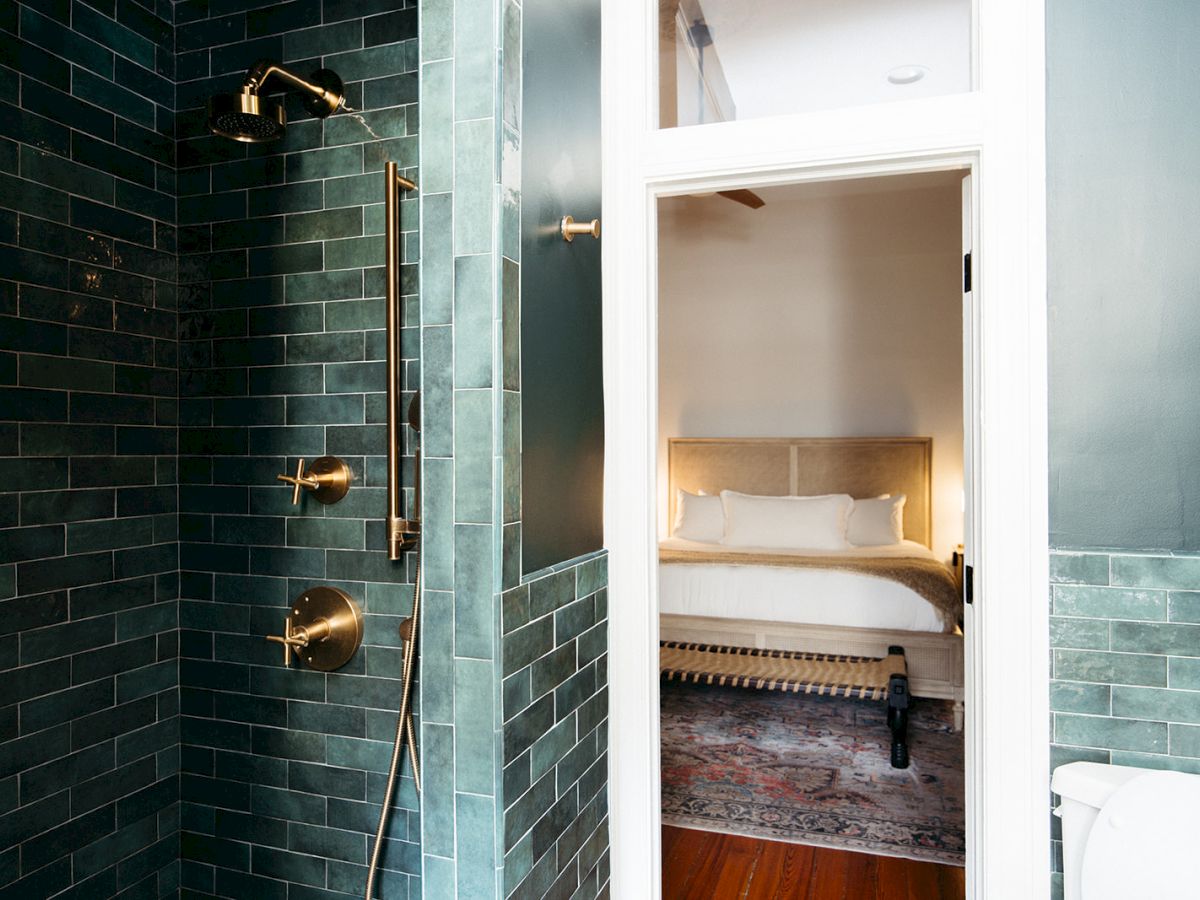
(812, 770)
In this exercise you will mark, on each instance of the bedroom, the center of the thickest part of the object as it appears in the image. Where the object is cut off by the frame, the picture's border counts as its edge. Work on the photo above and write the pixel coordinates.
(816, 342)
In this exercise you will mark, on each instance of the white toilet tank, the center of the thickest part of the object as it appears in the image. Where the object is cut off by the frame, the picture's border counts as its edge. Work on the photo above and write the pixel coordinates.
(1128, 832)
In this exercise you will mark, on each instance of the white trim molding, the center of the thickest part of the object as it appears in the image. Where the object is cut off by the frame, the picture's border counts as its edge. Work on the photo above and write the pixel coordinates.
(996, 132)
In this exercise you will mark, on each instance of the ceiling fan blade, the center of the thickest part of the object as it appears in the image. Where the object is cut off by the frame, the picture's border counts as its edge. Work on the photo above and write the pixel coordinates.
(746, 198)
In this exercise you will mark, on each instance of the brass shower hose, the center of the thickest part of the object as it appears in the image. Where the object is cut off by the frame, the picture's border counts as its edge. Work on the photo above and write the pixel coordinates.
(403, 729)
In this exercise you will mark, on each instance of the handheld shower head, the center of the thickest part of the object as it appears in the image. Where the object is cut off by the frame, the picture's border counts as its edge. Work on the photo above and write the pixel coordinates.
(248, 117)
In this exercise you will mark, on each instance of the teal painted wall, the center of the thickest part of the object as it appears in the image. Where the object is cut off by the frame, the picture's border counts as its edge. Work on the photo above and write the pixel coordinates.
(1123, 159)
(1123, 168)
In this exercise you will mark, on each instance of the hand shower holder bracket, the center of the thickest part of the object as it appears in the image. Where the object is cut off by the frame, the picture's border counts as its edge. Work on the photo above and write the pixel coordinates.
(403, 534)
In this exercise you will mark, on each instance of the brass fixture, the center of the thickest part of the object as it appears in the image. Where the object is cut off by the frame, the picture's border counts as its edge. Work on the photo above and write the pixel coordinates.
(407, 636)
(569, 228)
(249, 117)
(324, 629)
(404, 728)
(328, 479)
(401, 532)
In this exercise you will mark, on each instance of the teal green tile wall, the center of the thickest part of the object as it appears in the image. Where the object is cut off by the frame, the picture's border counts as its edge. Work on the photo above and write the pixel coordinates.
(460, 686)
(478, 734)
(555, 664)
(283, 356)
(89, 707)
(1125, 662)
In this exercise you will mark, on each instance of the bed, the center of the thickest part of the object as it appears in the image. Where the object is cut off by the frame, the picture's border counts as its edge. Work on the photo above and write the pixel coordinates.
(858, 602)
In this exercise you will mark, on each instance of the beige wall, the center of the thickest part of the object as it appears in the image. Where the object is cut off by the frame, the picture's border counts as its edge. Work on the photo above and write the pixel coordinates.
(835, 310)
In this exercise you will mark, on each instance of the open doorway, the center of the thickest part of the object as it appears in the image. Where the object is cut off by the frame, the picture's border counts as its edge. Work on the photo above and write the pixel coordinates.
(814, 478)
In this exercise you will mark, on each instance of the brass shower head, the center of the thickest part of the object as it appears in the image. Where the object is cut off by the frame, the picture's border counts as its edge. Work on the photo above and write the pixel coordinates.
(247, 116)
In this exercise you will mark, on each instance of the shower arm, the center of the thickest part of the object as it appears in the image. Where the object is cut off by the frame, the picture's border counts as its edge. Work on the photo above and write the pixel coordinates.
(265, 69)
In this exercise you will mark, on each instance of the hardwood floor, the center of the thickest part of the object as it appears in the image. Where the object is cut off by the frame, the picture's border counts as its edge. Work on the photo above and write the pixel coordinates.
(700, 865)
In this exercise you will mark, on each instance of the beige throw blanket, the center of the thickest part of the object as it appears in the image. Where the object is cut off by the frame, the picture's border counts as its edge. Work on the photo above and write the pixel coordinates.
(928, 578)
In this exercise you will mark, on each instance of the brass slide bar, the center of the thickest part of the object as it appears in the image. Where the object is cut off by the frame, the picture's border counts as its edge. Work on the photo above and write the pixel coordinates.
(401, 534)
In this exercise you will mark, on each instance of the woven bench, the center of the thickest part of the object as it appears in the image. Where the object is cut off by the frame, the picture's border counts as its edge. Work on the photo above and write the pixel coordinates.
(861, 677)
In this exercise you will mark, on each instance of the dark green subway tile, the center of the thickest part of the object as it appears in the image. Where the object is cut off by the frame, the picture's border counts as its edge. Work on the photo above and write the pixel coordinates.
(324, 225)
(352, 378)
(353, 253)
(261, 232)
(285, 199)
(295, 379)
(22, 56)
(1175, 640)
(33, 129)
(342, 534)
(113, 35)
(230, 352)
(55, 709)
(303, 318)
(329, 163)
(87, 118)
(39, 268)
(1156, 704)
(303, 43)
(65, 43)
(339, 347)
(66, 440)
(54, 171)
(1114, 734)
(74, 374)
(209, 32)
(355, 315)
(372, 62)
(46, 507)
(1067, 696)
(110, 534)
(1184, 606)
(105, 157)
(1183, 673)
(113, 97)
(112, 409)
(110, 596)
(370, 125)
(286, 259)
(1180, 573)
(337, 285)
(91, 216)
(32, 405)
(32, 337)
(278, 18)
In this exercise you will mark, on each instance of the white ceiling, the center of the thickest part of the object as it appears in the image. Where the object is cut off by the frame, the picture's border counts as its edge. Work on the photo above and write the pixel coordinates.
(786, 56)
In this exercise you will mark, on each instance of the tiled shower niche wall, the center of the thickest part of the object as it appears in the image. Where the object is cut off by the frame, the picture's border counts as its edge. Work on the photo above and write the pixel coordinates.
(282, 356)
(89, 725)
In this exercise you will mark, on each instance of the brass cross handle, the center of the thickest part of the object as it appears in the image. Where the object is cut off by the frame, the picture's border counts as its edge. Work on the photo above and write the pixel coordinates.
(570, 228)
(328, 479)
(300, 637)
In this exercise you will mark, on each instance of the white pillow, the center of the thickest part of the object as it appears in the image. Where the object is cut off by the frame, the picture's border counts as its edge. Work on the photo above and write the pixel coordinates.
(698, 517)
(808, 523)
(874, 523)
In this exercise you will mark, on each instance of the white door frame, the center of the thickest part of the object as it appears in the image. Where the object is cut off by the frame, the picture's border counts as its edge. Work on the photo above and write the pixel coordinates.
(998, 131)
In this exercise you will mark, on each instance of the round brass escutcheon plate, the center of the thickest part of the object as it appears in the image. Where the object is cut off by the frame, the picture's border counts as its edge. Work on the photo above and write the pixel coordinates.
(345, 620)
(334, 477)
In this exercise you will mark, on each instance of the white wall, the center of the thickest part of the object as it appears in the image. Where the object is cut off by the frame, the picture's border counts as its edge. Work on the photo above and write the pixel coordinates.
(788, 56)
(833, 311)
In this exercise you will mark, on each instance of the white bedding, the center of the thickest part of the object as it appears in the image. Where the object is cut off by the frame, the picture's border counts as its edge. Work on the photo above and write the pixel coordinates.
(794, 595)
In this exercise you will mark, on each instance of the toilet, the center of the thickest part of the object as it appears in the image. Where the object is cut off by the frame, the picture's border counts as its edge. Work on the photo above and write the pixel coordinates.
(1128, 833)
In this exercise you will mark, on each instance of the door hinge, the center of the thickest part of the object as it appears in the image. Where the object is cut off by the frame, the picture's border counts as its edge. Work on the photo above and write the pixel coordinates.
(969, 584)
(967, 273)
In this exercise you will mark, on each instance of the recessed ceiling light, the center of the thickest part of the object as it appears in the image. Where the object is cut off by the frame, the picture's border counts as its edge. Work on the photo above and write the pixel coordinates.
(907, 74)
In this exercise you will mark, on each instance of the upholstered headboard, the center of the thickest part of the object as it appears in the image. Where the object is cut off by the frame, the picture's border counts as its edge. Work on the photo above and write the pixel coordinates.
(860, 467)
